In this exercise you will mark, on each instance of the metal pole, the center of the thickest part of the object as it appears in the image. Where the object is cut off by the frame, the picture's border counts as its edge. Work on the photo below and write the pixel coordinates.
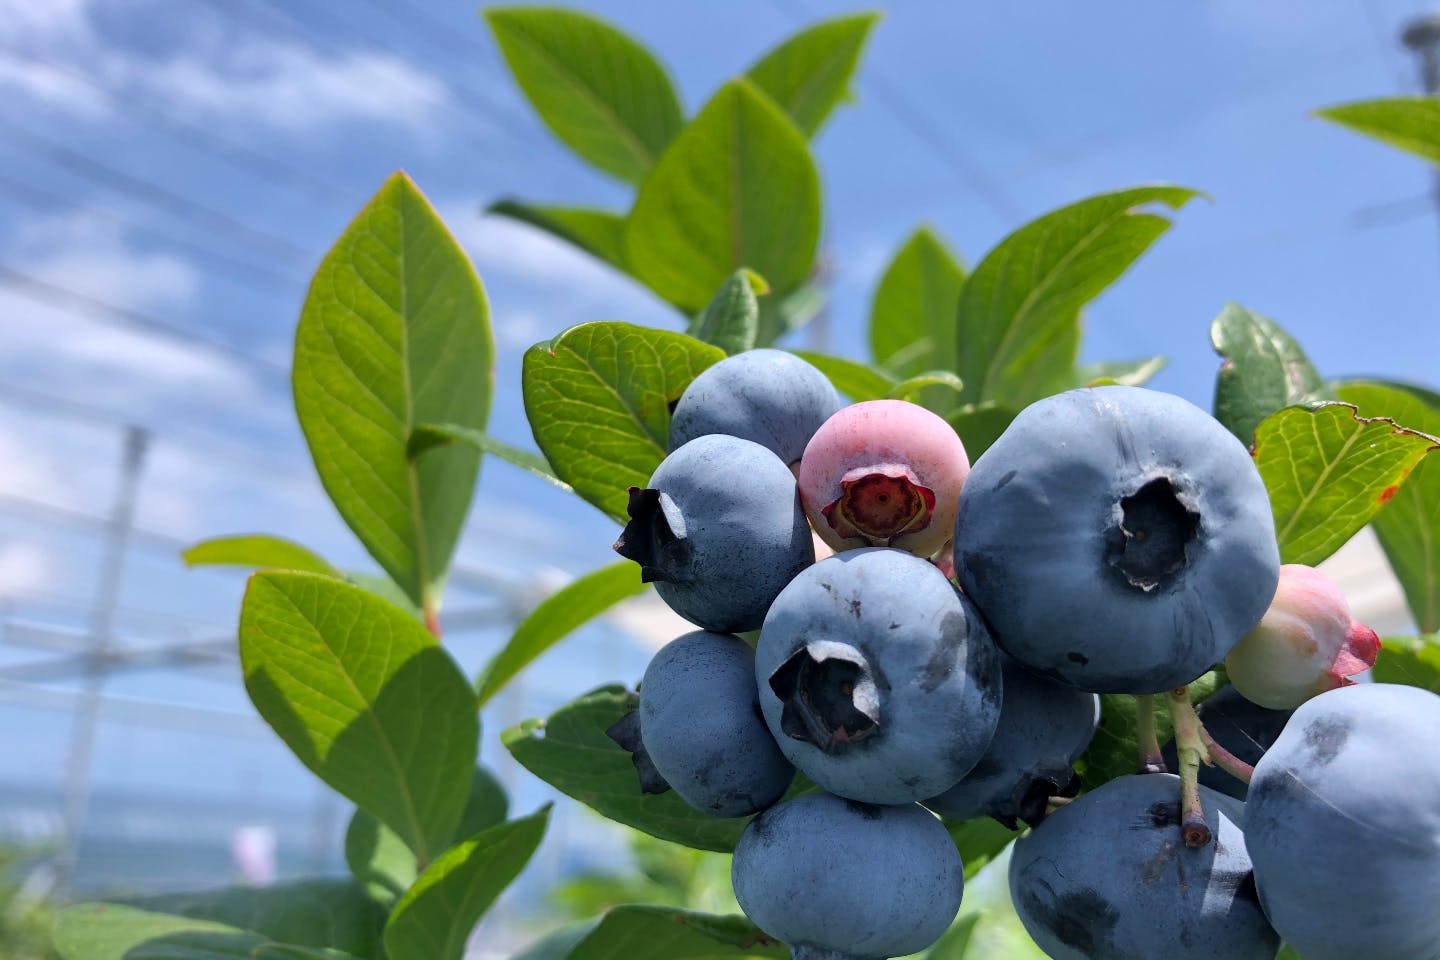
(102, 633)
(1422, 36)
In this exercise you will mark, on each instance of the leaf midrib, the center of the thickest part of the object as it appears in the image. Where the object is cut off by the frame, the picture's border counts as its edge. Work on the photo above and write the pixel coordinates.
(412, 814)
(639, 150)
(1021, 312)
(1329, 468)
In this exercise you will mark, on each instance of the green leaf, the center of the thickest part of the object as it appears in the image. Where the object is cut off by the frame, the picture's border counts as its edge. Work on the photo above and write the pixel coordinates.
(365, 697)
(954, 943)
(556, 617)
(912, 387)
(1131, 373)
(912, 318)
(260, 551)
(737, 188)
(1328, 470)
(386, 589)
(1410, 123)
(855, 380)
(557, 944)
(1018, 329)
(1115, 751)
(434, 919)
(979, 841)
(979, 425)
(428, 436)
(1264, 371)
(378, 858)
(808, 74)
(265, 552)
(1413, 661)
(306, 913)
(386, 867)
(598, 398)
(649, 932)
(603, 94)
(571, 752)
(112, 931)
(779, 315)
(731, 321)
(1424, 394)
(395, 331)
(600, 233)
(1408, 526)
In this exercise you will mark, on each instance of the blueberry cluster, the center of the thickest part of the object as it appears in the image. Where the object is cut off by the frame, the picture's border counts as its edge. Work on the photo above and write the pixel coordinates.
(947, 659)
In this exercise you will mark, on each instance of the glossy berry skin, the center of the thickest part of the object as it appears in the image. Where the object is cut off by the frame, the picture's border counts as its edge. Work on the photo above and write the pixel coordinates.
(1306, 643)
(769, 396)
(1245, 729)
(877, 677)
(700, 724)
(1109, 877)
(1044, 728)
(1118, 539)
(1344, 825)
(837, 879)
(883, 473)
(719, 531)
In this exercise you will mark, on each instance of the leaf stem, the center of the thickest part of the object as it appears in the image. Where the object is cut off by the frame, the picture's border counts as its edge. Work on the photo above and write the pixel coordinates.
(1192, 751)
(430, 611)
(1150, 759)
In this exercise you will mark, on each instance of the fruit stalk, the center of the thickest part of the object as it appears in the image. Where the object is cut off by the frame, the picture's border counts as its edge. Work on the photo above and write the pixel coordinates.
(1224, 759)
(1191, 751)
(1150, 758)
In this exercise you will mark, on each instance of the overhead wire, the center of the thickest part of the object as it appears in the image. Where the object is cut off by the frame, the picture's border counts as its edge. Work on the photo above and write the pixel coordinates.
(925, 131)
(67, 298)
(259, 164)
(88, 167)
(239, 269)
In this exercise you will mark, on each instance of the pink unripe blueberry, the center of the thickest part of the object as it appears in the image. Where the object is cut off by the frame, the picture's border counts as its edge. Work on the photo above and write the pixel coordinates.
(884, 473)
(1306, 643)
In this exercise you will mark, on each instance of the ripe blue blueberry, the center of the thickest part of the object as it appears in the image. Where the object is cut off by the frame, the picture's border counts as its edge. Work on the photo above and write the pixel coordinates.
(839, 880)
(1118, 539)
(877, 677)
(1344, 825)
(698, 728)
(1241, 727)
(1108, 877)
(719, 531)
(769, 396)
(1044, 728)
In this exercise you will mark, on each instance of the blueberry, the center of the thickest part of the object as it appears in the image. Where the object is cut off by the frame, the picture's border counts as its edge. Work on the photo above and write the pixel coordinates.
(719, 531)
(1044, 728)
(1344, 825)
(698, 729)
(1109, 878)
(884, 473)
(1118, 539)
(877, 677)
(1306, 643)
(1245, 729)
(836, 879)
(769, 396)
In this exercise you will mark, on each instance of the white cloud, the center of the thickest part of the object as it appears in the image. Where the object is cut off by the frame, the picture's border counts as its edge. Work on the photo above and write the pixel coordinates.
(25, 568)
(27, 24)
(292, 87)
(530, 254)
(107, 362)
(225, 72)
(519, 328)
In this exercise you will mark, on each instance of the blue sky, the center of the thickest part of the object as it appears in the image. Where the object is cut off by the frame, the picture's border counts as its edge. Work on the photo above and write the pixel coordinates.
(185, 163)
